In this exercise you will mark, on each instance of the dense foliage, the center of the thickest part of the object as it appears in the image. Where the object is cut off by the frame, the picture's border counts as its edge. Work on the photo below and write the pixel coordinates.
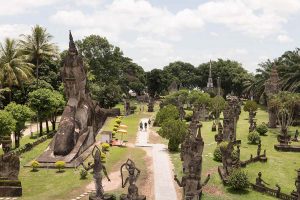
(165, 114)
(7, 123)
(253, 137)
(238, 180)
(175, 131)
(262, 129)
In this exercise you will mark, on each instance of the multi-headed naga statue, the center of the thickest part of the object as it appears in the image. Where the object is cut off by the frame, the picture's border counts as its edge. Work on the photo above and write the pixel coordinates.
(133, 174)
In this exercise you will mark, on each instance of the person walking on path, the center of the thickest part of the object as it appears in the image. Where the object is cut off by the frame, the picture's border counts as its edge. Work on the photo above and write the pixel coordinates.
(141, 125)
(145, 125)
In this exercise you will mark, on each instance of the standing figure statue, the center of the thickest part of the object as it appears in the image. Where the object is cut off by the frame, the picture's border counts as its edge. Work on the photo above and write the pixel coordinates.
(98, 167)
(259, 181)
(259, 148)
(192, 181)
(133, 174)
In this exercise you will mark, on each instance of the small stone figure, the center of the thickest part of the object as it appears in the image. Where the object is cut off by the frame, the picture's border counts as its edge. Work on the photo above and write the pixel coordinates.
(278, 190)
(151, 104)
(9, 171)
(260, 181)
(133, 174)
(297, 184)
(98, 167)
(214, 127)
(295, 139)
(259, 148)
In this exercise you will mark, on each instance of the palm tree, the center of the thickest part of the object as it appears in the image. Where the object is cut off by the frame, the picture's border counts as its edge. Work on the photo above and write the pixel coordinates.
(37, 47)
(290, 62)
(14, 68)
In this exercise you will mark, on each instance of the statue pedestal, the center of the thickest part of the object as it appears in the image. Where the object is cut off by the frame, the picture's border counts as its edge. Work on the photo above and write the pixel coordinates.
(106, 197)
(287, 147)
(10, 188)
(140, 197)
(223, 175)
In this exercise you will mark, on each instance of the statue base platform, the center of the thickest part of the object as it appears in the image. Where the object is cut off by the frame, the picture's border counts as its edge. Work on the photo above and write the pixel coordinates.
(287, 148)
(223, 175)
(106, 197)
(10, 188)
(140, 197)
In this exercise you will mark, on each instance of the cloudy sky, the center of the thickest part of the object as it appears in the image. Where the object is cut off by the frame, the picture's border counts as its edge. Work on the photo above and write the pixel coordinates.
(154, 33)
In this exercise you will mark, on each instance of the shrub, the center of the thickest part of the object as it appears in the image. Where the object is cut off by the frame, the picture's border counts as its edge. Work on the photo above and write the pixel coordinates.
(60, 165)
(250, 106)
(238, 180)
(83, 174)
(218, 154)
(118, 121)
(115, 129)
(166, 113)
(113, 134)
(116, 125)
(35, 164)
(188, 116)
(262, 129)
(175, 131)
(103, 157)
(253, 137)
(105, 146)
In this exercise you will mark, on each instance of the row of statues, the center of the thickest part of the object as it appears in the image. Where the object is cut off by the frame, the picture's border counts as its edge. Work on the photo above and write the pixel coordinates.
(98, 168)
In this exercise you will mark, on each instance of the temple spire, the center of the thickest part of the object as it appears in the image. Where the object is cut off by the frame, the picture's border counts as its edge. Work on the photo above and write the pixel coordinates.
(72, 47)
(210, 81)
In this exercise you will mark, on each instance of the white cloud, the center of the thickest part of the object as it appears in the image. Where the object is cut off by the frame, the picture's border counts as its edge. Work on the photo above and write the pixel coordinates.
(255, 18)
(92, 3)
(284, 38)
(14, 7)
(132, 15)
(13, 30)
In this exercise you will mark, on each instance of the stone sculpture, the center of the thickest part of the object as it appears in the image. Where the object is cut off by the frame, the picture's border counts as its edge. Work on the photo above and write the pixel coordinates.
(295, 139)
(219, 136)
(272, 87)
(151, 104)
(133, 174)
(191, 155)
(98, 167)
(214, 127)
(10, 186)
(231, 115)
(77, 128)
(259, 181)
(297, 184)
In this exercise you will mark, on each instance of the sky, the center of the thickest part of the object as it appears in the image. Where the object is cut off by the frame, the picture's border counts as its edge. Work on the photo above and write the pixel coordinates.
(157, 32)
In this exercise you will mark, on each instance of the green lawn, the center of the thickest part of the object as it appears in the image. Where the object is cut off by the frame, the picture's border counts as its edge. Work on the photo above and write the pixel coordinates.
(280, 167)
(48, 184)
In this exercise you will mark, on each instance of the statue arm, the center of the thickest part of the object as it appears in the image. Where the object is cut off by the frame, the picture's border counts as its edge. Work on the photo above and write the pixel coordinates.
(177, 181)
(206, 180)
(105, 172)
(138, 173)
(125, 182)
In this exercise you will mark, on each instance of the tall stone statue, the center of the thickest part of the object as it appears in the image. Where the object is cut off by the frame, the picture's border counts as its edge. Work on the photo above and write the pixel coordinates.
(272, 87)
(77, 128)
(10, 186)
(231, 115)
(133, 174)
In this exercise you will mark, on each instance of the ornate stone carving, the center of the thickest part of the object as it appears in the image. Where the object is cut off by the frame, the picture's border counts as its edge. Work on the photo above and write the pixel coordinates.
(133, 174)
(10, 186)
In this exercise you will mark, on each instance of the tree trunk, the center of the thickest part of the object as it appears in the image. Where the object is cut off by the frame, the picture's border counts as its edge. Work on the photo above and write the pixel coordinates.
(37, 73)
(47, 126)
(17, 139)
(41, 127)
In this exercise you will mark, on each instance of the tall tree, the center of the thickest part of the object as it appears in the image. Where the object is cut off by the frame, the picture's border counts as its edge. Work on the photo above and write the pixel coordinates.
(21, 113)
(37, 47)
(16, 69)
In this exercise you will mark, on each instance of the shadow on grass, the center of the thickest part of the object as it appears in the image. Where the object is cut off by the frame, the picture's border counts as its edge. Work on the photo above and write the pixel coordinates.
(234, 191)
(61, 171)
(34, 170)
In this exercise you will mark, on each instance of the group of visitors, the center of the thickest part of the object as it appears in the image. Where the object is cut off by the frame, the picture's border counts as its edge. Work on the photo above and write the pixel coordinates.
(143, 126)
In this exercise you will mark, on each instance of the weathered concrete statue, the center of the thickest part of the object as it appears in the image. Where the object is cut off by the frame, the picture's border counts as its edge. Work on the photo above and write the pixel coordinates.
(10, 186)
(191, 155)
(272, 87)
(133, 174)
(191, 182)
(77, 128)
(151, 104)
(231, 115)
(98, 167)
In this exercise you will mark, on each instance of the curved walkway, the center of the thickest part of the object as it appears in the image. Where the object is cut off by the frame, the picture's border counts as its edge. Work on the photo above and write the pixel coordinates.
(164, 188)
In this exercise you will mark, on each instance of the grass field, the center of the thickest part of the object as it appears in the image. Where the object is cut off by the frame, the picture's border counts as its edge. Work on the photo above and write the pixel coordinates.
(279, 169)
(48, 184)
